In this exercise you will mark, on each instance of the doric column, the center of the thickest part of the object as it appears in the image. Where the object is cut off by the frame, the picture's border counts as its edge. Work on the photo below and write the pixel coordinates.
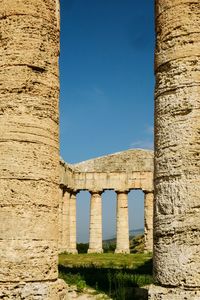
(177, 149)
(122, 243)
(95, 240)
(29, 149)
(72, 223)
(65, 222)
(60, 208)
(148, 221)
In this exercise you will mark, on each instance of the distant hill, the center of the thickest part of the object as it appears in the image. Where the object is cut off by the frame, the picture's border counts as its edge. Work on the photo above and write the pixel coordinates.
(136, 238)
(136, 232)
(132, 233)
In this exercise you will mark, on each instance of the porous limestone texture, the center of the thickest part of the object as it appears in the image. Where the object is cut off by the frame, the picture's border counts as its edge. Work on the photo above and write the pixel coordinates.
(29, 149)
(177, 149)
(55, 290)
(164, 293)
(122, 172)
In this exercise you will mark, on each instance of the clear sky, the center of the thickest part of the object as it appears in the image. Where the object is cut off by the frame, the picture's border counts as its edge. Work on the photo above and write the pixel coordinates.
(107, 82)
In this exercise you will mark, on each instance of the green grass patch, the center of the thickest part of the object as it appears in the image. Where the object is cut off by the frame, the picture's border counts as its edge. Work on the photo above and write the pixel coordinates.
(113, 274)
(106, 260)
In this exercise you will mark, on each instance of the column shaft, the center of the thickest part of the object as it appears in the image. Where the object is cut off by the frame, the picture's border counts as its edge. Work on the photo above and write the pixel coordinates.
(65, 222)
(122, 243)
(148, 221)
(177, 149)
(29, 149)
(72, 224)
(95, 240)
(60, 220)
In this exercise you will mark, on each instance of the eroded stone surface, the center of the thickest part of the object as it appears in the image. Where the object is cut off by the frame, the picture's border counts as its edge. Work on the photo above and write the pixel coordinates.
(29, 149)
(177, 141)
(55, 290)
(161, 293)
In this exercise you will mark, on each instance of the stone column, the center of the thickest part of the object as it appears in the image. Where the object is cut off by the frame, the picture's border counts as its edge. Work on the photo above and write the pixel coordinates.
(60, 219)
(65, 243)
(72, 224)
(177, 151)
(95, 240)
(148, 221)
(122, 243)
(29, 150)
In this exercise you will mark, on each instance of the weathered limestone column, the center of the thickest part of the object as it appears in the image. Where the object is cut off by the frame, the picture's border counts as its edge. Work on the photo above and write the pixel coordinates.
(148, 221)
(60, 219)
(65, 243)
(122, 243)
(177, 151)
(29, 150)
(72, 224)
(95, 240)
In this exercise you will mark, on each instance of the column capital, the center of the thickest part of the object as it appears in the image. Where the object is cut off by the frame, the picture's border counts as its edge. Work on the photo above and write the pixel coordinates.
(122, 191)
(73, 192)
(96, 191)
(148, 192)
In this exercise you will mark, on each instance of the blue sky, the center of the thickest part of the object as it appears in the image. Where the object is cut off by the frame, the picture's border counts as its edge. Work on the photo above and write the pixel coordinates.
(107, 82)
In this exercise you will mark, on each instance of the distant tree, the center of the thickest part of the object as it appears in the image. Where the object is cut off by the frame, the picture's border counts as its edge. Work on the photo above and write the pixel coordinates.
(82, 247)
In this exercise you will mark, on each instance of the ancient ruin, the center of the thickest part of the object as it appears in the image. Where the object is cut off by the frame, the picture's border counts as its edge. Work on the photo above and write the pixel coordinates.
(177, 151)
(30, 175)
(29, 150)
(121, 172)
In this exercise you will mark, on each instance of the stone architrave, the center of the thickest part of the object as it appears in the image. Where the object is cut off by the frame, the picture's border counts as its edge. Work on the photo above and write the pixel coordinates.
(177, 151)
(29, 150)
(95, 239)
(148, 221)
(122, 242)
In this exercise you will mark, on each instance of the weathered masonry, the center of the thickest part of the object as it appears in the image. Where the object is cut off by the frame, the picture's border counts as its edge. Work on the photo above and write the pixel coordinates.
(121, 172)
(177, 151)
(29, 150)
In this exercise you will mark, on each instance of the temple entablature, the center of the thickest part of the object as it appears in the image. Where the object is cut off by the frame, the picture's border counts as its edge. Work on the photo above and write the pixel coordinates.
(131, 169)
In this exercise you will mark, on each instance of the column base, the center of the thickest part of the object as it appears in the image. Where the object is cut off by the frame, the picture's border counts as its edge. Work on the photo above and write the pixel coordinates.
(95, 251)
(162, 293)
(123, 251)
(148, 250)
(68, 251)
(43, 290)
(71, 251)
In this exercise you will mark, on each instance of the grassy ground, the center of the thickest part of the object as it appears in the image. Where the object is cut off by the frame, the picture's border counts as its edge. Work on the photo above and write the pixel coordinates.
(111, 273)
(105, 260)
